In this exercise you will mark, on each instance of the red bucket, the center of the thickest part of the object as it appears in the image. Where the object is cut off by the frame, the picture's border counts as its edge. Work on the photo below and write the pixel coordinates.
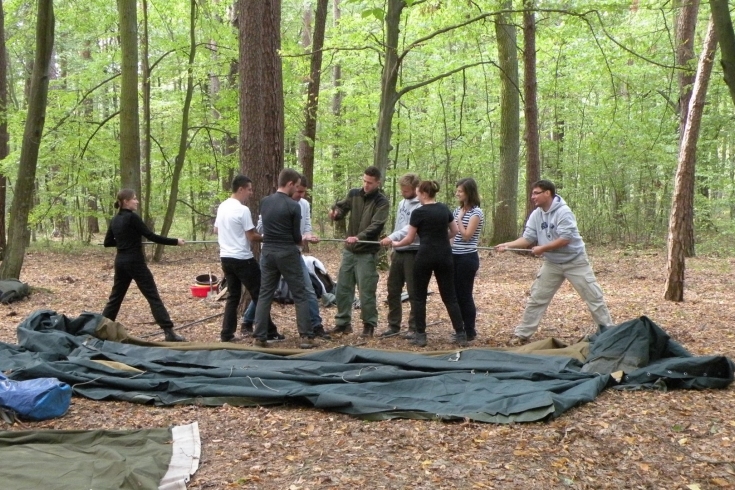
(199, 291)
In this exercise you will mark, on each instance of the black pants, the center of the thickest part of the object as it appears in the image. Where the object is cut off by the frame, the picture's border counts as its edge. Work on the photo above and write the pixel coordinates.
(239, 272)
(443, 269)
(133, 268)
(465, 270)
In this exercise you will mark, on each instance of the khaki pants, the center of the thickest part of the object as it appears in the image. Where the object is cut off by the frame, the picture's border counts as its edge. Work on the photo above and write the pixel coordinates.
(357, 270)
(548, 281)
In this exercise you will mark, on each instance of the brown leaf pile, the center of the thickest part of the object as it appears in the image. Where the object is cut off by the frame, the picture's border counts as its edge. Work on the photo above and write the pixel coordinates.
(682, 439)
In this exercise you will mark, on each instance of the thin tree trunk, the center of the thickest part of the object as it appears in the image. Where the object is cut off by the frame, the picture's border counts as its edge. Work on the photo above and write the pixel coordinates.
(723, 28)
(506, 212)
(129, 121)
(338, 170)
(683, 196)
(183, 135)
(146, 141)
(530, 108)
(308, 138)
(261, 96)
(25, 182)
(4, 136)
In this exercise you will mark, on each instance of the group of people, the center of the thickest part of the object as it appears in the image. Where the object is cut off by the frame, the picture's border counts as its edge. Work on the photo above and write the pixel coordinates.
(428, 238)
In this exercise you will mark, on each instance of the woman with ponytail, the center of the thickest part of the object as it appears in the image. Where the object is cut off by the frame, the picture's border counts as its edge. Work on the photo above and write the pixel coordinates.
(435, 225)
(125, 232)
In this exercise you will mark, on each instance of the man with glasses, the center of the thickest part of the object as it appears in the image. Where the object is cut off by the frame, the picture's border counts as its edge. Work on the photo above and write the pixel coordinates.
(551, 232)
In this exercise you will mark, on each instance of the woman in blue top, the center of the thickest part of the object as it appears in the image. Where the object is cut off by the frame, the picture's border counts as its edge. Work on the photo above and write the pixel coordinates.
(470, 220)
(124, 233)
(435, 225)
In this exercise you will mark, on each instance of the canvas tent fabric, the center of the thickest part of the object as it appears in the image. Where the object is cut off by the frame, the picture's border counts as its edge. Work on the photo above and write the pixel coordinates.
(161, 458)
(485, 385)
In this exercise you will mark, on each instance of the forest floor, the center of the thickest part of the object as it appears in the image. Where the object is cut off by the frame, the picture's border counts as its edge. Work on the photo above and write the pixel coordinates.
(642, 439)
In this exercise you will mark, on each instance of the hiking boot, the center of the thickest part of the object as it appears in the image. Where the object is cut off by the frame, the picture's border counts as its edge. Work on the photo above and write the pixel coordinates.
(307, 343)
(419, 339)
(391, 332)
(246, 329)
(263, 344)
(367, 331)
(321, 333)
(171, 336)
(461, 339)
(517, 341)
(275, 336)
(341, 330)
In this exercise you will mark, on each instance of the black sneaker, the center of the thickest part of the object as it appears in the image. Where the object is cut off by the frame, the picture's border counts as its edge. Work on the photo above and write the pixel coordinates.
(461, 339)
(391, 332)
(171, 336)
(227, 339)
(276, 337)
(321, 333)
(367, 331)
(246, 329)
(419, 339)
(409, 335)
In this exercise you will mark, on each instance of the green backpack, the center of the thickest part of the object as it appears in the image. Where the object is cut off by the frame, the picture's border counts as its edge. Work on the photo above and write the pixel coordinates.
(13, 290)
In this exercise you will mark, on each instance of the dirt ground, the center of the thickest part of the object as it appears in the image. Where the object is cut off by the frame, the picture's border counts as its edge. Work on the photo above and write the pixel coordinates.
(647, 440)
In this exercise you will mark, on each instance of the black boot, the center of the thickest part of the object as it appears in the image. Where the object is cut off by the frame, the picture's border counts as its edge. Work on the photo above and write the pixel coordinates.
(461, 339)
(172, 336)
(367, 331)
(419, 339)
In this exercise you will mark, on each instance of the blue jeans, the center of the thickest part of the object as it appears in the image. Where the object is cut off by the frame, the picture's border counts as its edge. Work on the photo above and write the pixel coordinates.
(316, 320)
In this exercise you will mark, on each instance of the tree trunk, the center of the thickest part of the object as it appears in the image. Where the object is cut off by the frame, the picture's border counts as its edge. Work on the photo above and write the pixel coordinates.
(24, 183)
(4, 136)
(183, 135)
(530, 108)
(261, 96)
(726, 36)
(683, 196)
(388, 82)
(337, 169)
(129, 123)
(506, 212)
(146, 142)
(308, 138)
(685, 26)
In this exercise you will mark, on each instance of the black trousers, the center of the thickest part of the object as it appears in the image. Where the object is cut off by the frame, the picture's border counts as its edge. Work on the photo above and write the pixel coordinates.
(133, 268)
(239, 273)
(443, 268)
(465, 270)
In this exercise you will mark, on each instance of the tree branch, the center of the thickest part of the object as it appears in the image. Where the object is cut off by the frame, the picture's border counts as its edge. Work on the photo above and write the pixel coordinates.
(408, 88)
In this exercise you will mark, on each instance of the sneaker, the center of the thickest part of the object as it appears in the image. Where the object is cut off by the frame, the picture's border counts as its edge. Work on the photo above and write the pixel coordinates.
(461, 339)
(227, 339)
(307, 343)
(246, 329)
(171, 336)
(470, 337)
(409, 335)
(260, 343)
(321, 333)
(341, 330)
(277, 337)
(367, 331)
(517, 341)
(391, 332)
(419, 339)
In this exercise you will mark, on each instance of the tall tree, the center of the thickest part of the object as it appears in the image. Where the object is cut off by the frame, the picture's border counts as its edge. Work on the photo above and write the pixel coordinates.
(726, 35)
(685, 27)
(129, 121)
(308, 136)
(683, 194)
(4, 136)
(505, 221)
(35, 120)
(261, 95)
(530, 106)
(173, 195)
(146, 96)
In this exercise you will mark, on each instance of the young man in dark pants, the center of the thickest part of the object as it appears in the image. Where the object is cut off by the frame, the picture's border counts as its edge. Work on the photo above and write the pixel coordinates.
(281, 256)
(402, 259)
(235, 231)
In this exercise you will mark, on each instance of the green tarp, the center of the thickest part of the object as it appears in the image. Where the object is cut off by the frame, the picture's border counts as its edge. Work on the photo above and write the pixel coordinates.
(478, 384)
(99, 459)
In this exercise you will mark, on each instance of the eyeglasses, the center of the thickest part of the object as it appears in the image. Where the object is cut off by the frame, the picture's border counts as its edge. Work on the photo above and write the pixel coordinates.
(536, 193)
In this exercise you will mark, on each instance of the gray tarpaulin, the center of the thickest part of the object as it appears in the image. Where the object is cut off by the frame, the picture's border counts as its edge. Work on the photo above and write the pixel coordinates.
(479, 384)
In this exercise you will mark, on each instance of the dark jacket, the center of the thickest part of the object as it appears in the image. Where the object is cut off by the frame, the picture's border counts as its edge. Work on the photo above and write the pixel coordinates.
(368, 214)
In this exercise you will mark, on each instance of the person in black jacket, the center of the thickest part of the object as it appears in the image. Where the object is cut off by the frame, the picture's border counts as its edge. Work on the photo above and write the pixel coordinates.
(125, 232)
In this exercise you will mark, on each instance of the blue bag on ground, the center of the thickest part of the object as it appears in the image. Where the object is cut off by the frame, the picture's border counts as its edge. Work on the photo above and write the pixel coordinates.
(35, 399)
